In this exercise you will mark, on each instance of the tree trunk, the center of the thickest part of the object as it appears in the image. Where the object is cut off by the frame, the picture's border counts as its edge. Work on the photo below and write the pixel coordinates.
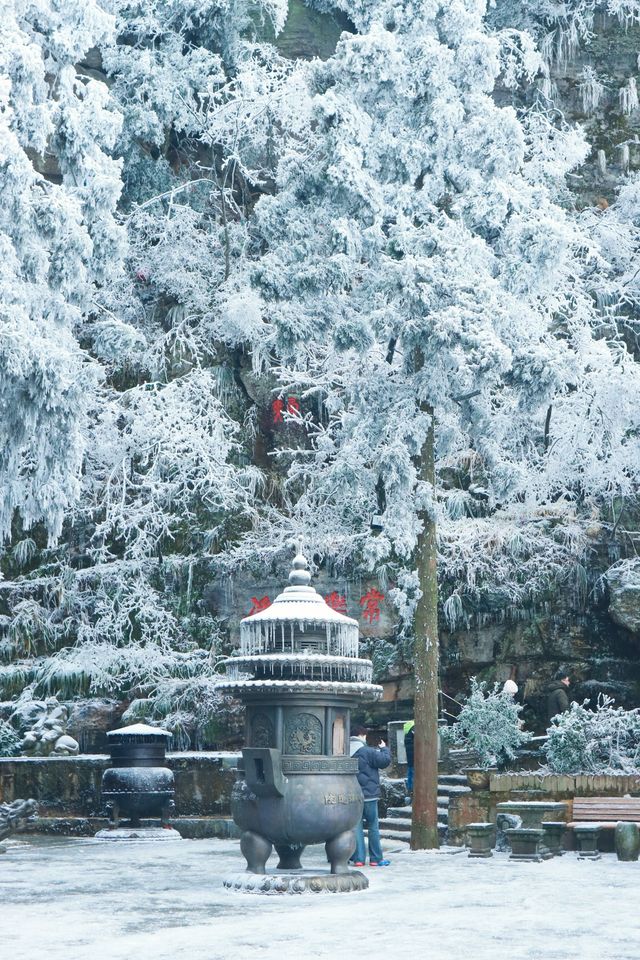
(424, 828)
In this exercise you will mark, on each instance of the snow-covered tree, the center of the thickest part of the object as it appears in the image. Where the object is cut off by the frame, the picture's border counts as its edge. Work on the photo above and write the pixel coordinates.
(60, 243)
(167, 478)
(419, 275)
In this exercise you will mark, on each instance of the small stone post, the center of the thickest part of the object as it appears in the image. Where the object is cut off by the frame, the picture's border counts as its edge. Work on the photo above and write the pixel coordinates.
(481, 837)
(627, 841)
(586, 835)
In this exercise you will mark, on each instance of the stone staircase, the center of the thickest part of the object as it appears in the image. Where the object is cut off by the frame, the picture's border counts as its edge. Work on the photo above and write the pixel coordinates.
(397, 823)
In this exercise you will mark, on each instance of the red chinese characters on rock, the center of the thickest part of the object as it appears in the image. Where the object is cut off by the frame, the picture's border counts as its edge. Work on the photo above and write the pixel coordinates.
(257, 605)
(336, 601)
(277, 409)
(370, 604)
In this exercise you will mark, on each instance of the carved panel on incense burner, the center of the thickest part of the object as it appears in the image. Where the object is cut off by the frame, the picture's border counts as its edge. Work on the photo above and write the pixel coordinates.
(262, 732)
(303, 734)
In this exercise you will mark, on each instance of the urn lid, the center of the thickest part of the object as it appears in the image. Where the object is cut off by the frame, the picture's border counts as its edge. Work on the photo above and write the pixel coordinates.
(139, 732)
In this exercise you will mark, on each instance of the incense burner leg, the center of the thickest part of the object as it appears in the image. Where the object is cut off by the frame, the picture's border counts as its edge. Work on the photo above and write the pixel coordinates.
(256, 851)
(166, 812)
(289, 856)
(114, 813)
(339, 849)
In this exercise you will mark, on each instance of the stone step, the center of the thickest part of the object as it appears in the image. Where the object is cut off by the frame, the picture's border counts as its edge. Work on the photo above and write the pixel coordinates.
(404, 823)
(443, 805)
(404, 837)
(395, 835)
(450, 790)
(453, 779)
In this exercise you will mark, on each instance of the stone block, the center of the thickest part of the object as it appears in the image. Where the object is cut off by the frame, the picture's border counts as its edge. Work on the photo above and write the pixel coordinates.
(627, 841)
(526, 844)
(586, 837)
(481, 839)
(554, 833)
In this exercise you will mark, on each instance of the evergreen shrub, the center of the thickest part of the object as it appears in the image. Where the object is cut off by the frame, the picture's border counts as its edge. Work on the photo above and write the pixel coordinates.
(602, 740)
(489, 723)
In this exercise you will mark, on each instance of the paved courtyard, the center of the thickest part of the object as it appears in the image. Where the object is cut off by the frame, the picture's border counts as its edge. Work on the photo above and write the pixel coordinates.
(66, 899)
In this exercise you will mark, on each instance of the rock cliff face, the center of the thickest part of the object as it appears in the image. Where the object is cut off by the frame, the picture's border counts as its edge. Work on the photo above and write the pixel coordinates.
(624, 599)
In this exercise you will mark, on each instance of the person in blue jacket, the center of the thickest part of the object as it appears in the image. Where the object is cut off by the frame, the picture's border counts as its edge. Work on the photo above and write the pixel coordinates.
(371, 760)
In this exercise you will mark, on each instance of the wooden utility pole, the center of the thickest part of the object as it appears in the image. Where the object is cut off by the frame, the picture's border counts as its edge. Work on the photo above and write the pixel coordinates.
(424, 827)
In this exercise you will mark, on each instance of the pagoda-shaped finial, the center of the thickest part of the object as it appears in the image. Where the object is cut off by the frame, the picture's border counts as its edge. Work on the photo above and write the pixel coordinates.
(300, 575)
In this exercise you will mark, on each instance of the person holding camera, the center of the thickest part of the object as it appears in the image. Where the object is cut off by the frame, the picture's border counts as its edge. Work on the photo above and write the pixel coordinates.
(371, 760)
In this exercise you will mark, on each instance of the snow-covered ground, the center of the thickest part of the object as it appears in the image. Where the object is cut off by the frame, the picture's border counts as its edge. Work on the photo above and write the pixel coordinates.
(86, 900)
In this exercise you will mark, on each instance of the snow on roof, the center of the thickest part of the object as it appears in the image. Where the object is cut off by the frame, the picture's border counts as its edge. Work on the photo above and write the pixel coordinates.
(300, 601)
(139, 730)
(306, 658)
(359, 688)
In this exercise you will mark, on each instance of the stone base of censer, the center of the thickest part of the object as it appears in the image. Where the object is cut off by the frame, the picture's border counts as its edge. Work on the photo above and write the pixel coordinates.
(157, 834)
(302, 881)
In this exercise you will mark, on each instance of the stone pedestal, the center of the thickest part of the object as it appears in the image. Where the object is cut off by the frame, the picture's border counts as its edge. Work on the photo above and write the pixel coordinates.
(146, 834)
(554, 831)
(627, 841)
(533, 814)
(481, 837)
(302, 881)
(525, 844)
(586, 835)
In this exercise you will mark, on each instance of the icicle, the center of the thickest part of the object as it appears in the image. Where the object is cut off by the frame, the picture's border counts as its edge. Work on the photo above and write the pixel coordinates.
(601, 163)
(629, 96)
(567, 43)
(624, 157)
(591, 89)
(189, 582)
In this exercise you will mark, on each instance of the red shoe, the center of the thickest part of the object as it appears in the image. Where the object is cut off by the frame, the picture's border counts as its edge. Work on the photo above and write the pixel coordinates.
(356, 863)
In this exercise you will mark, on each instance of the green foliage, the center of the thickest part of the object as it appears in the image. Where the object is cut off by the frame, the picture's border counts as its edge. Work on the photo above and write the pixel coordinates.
(9, 740)
(594, 741)
(490, 724)
(192, 709)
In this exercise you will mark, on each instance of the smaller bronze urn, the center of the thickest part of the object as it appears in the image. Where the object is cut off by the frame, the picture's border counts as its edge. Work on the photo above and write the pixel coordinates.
(138, 784)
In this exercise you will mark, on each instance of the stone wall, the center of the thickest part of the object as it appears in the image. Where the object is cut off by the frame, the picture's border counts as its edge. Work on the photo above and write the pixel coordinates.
(480, 805)
(70, 786)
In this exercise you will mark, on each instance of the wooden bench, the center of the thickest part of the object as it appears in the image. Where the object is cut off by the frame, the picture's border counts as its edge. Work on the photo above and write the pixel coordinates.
(592, 814)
